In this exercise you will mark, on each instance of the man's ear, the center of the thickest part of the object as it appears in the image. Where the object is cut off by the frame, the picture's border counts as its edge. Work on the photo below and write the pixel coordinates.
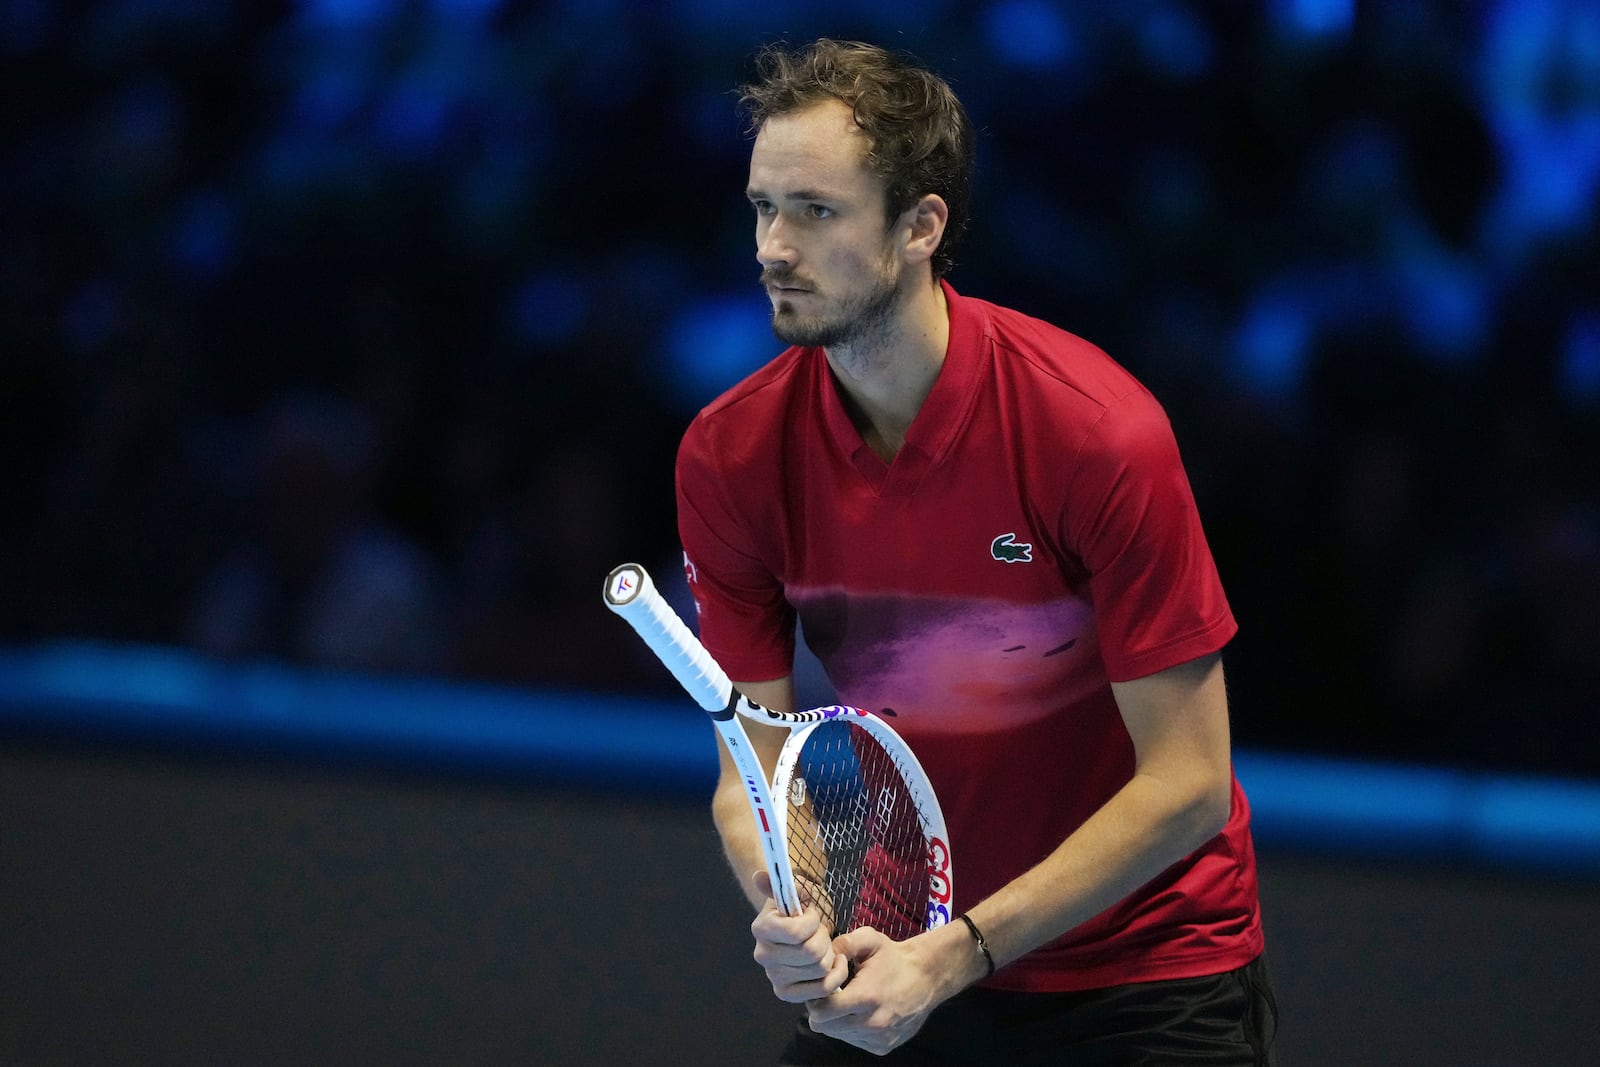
(925, 222)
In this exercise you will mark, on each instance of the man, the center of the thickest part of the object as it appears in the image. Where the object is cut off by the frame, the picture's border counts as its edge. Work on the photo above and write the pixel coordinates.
(983, 523)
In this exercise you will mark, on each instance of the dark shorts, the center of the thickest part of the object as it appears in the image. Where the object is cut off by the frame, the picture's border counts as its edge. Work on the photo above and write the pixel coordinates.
(1224, 1019)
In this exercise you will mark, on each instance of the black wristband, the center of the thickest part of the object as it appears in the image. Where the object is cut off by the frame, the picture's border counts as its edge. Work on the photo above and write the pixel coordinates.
(983, 946)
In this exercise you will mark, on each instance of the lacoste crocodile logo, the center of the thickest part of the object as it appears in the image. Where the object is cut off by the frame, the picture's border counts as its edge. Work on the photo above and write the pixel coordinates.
(1006, 549)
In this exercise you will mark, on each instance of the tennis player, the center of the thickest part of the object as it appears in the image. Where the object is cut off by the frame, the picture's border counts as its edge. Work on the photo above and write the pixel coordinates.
(983, 524)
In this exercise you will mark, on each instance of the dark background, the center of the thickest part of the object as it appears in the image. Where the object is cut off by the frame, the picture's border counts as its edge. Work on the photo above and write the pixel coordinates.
(345, 310)
(358, 335)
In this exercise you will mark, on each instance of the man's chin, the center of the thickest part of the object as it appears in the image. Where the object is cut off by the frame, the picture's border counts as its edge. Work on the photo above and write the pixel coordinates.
(792, 329)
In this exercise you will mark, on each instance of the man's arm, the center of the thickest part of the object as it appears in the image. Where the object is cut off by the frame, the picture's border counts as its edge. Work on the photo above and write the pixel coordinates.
(1179, 798)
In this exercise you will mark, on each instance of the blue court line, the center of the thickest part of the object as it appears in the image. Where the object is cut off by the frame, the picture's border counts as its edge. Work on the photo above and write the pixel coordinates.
(1423, 813)
(110, 696)
(113, 696)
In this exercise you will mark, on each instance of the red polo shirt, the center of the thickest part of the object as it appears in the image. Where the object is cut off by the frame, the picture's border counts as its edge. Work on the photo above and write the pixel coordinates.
(1034, 539)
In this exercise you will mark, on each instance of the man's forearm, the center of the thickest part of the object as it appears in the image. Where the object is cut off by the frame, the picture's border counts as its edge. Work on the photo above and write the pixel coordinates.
(730, 811)
(1144, 829)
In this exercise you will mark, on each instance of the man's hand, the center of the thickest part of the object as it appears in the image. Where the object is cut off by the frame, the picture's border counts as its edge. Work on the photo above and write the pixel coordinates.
(893, 991)
(796, 951)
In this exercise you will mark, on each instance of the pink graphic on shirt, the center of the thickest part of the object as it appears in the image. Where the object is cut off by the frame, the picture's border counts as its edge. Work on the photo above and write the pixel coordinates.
(957, 664)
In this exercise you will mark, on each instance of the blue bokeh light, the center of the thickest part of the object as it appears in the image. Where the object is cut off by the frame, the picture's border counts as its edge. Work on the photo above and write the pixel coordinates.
(1174, 41)
(1272, 345)
(550, 308)
(1314, 18)
(715, 342)
(1028, 33)
(1539, 78)
(348, 13)
(1444, 302)
(1579, 374)
(205, 235)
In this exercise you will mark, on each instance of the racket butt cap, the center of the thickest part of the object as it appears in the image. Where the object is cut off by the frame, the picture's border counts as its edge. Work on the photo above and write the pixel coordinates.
(624, 585)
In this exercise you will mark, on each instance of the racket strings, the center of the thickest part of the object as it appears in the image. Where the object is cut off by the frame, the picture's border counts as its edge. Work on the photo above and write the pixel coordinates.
(856, 833)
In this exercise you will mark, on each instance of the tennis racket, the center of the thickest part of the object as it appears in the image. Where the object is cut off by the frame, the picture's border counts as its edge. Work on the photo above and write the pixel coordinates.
(856, 827)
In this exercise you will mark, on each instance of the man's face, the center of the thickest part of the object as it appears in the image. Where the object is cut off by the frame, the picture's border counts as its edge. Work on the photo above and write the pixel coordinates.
(828, 259)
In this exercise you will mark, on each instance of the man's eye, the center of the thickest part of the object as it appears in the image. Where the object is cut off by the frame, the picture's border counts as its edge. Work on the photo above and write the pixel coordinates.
(817, 211)
(763, 207)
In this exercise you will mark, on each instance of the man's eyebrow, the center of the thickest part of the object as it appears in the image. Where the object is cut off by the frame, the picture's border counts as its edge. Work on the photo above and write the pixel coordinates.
(798, 194)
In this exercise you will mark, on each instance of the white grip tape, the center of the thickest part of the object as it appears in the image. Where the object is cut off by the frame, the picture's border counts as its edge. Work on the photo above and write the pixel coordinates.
(631, 594)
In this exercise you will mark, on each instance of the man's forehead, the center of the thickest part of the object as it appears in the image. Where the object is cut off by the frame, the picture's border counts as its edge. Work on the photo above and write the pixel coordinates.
(832, 116)
(815, 148)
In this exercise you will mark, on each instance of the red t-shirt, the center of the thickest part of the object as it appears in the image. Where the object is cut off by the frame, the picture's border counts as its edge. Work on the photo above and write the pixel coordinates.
(1034, 539)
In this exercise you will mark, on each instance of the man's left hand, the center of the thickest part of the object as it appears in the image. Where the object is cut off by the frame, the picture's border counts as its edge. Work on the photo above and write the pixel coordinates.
(887, 1001)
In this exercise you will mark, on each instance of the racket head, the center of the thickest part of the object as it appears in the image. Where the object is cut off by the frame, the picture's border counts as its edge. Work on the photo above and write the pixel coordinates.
(865, 834)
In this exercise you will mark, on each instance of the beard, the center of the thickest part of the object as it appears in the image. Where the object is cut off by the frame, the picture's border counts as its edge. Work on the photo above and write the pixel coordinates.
(859, 317)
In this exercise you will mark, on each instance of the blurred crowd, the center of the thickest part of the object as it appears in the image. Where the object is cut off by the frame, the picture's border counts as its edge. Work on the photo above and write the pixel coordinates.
(360, 333)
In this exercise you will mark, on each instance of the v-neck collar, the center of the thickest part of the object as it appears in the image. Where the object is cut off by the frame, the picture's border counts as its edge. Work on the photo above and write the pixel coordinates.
(938, 422)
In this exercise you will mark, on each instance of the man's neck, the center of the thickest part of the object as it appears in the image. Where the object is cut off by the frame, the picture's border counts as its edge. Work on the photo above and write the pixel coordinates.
(884, 381)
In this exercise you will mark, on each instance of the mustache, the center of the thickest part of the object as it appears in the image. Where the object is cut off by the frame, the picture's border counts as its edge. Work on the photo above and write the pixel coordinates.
(783, 276)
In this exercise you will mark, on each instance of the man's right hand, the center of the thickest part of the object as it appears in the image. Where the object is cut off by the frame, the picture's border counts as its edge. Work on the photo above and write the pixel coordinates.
(796, 950)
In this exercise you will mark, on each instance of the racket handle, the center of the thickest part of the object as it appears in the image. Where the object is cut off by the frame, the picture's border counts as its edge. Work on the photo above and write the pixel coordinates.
(630, 593)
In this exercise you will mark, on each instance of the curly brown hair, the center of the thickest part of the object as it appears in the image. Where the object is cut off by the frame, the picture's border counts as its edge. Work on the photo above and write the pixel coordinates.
(919, 138)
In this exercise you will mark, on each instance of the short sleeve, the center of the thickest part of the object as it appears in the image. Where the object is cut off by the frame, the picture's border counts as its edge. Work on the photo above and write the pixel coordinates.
(744, 620)
(1157, 596)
